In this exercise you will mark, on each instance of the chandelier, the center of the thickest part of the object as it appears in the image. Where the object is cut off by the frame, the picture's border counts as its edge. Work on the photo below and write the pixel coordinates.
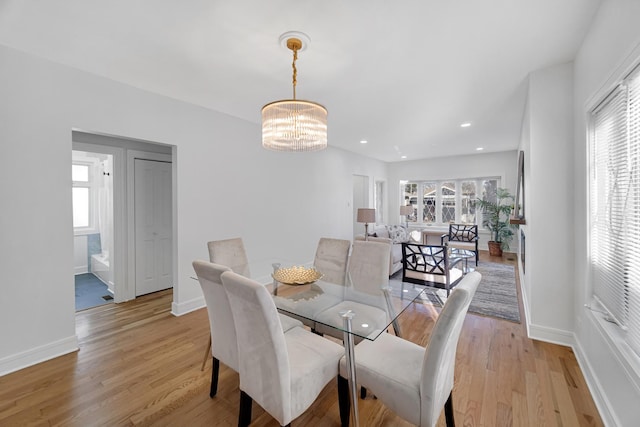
(292, 124)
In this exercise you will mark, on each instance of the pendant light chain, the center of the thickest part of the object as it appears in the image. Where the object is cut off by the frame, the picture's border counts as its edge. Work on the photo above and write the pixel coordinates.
(295, 70)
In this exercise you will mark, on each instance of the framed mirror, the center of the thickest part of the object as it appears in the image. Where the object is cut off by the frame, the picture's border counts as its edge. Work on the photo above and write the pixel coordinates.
(517, 216)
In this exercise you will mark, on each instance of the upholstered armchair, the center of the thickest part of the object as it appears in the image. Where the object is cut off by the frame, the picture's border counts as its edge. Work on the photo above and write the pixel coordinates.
(420, 383)
(462, 236)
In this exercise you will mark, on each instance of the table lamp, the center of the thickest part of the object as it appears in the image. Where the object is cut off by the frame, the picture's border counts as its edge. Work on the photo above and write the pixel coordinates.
(406, 211)
(366, 215)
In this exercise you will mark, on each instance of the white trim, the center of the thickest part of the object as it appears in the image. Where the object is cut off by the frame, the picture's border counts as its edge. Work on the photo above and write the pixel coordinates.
(595, 388)
(620, 72)
(551, 335)
(39, 354)
(624, 355)
(525, 300)
(179, 309)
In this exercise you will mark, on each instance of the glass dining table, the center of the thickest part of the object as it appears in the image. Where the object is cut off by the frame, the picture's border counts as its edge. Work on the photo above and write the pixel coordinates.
(346, 312)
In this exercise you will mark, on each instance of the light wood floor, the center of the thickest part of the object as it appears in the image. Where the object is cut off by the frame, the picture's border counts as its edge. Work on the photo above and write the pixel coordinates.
(139, 365)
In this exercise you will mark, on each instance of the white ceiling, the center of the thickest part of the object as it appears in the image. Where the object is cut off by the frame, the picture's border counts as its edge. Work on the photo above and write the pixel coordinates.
(401, 74)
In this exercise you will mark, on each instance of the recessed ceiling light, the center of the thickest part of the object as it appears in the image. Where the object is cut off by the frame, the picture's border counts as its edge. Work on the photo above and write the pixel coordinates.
(479, 149)
(403, 157)
(465, 125)
(363, 141)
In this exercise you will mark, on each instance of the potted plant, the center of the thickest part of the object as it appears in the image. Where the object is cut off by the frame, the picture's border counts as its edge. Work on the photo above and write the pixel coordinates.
(496, 209)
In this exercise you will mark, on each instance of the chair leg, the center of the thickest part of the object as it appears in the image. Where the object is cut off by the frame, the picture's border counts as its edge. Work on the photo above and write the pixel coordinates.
(206, 354)
(244, 418)
(448, 411)
(343, 401)
(214, 377)
(363, 392)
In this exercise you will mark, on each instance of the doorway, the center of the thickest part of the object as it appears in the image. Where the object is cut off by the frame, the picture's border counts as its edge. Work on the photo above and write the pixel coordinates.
(92, 198)
(123, 256)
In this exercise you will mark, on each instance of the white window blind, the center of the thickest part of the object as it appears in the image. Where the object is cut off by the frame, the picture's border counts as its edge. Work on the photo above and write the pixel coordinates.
(615, 206)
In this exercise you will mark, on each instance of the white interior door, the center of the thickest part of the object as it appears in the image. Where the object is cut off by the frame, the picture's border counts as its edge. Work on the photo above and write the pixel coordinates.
(153, 226)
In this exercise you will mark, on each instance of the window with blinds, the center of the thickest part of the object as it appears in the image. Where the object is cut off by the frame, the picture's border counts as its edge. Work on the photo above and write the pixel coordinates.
(615, 206)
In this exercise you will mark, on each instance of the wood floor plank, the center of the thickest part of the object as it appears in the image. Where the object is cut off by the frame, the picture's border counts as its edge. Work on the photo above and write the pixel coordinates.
(139, 365)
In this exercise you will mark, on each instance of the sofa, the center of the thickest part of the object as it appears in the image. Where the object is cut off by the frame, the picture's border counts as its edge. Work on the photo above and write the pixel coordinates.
(393, 234)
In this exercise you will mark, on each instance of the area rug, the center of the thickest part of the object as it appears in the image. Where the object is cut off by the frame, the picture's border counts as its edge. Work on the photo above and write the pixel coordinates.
(496, 295)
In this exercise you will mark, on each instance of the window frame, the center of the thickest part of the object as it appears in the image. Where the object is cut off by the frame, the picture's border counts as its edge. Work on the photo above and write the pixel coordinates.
(419, 206)
(92, 227)
(615, 323)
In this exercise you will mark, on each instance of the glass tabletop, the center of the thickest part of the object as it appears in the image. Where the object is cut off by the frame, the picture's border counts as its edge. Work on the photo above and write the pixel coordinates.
(325, 303)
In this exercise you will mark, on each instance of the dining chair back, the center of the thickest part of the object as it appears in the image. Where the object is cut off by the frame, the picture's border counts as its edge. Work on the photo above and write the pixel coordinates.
(230, 253)
(368, 274)
(438, 367)
(332, 256)
(368, 269)
(283, 373)
(223, 331)
(420, 382)
(223, 342)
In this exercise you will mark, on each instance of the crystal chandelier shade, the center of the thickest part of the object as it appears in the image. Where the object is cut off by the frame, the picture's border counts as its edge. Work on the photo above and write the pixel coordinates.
(291, 124)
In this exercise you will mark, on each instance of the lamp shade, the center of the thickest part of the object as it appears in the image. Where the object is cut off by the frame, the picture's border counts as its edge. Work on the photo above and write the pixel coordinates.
(366, 215)
(406, 210)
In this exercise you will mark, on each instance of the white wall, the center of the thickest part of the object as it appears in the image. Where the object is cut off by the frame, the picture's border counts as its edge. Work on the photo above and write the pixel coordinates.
(547, 144)
(611, 46)
(227, 185)
(503, 164)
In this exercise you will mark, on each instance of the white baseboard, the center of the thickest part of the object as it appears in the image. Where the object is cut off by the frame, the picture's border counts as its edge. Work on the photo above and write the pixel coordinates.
(600, 399)
(27, 358)
(81, 269)
(543, 333)
(551, 335)
(179, 309)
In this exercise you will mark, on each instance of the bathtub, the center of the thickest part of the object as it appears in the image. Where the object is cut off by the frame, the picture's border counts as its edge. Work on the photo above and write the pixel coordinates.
(100, 268)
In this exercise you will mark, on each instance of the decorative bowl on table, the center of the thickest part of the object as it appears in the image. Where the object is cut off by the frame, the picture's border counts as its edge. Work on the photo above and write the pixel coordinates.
(296, 275)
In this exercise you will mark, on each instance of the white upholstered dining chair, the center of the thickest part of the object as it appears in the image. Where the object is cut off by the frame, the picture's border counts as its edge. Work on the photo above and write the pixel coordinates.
(331, 259)
(368, 269)
(223, 343)
(283, 373)
(416, 382)
(230, 253)
(367, 273)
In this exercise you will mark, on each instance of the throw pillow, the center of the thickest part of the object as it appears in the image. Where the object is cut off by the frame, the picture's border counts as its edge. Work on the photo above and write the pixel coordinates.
(398, 233)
